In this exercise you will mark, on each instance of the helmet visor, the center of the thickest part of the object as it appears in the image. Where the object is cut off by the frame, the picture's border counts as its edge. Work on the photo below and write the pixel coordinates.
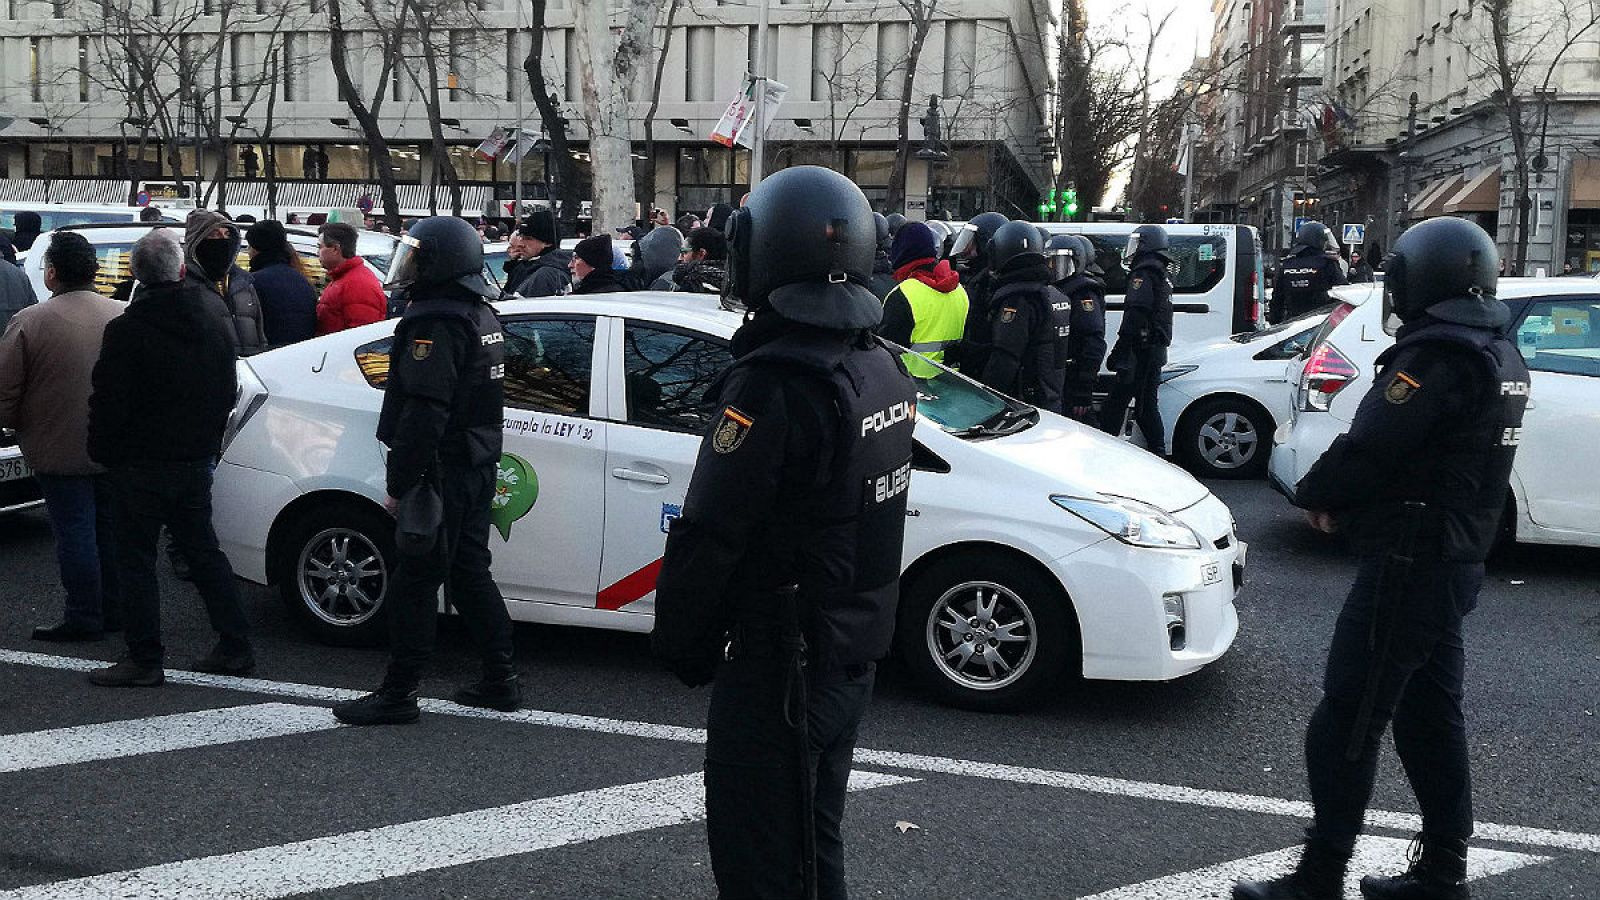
(1063, 263)
(1132, 250)
(966, 245)
(403, 268)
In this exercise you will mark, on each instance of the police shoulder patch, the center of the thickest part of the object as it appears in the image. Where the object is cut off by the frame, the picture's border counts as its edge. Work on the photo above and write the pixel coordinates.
(1087, 304)
(1008, 315)
(1401, 388)
(731, 431)
(420, 349)
(1136, 283)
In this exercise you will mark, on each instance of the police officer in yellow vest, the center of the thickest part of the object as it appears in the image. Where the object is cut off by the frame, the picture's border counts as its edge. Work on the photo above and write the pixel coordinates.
(927, 310)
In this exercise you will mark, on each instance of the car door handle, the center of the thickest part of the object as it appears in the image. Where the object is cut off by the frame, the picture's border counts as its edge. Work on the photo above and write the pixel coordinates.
(636, 475)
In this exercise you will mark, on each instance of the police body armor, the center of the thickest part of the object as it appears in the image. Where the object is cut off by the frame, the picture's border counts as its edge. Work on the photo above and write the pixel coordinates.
(1086, 335)
(1154, 269)
(473, 433)
(1305, 280)
(1462, 480)
(847, 536)
(1041, 375)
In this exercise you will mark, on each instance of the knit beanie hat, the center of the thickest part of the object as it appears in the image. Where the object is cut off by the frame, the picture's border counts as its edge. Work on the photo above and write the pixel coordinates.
(539, 225)
(267, 235)
(596, 251)
(912, 242)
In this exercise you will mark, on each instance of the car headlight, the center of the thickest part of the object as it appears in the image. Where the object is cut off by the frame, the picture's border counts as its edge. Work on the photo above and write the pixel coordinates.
(1171, 372)
(1131, 522)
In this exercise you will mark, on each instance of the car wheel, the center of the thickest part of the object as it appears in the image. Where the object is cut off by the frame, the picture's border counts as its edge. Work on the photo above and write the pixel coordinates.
(338, 569)
(1224, 437)
(982, 632)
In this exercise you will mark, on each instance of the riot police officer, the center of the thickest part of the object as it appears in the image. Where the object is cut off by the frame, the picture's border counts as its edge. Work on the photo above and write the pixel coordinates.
(1419, 484)
(1074, 272)
(1142, 338)
(1310, 270)
(441, 419)
(780, 579)
(1028, 320)
(969, 254)
(883, 280)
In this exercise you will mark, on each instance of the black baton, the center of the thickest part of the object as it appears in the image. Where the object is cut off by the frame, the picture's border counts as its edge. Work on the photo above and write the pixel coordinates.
(1391, 585)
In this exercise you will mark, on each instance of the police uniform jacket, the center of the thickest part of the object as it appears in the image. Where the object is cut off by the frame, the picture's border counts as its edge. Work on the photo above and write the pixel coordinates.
(800, 481)
(1303, 283)
(1028, 339)
(1146, 312)
(1086, 336)
(445, 395)
(1440, 426)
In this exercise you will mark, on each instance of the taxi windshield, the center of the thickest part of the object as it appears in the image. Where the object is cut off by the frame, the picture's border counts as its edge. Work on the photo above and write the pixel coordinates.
(964, 407)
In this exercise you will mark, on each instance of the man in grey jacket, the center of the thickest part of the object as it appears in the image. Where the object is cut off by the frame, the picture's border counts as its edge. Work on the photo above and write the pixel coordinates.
(16, 292)
(211, 250)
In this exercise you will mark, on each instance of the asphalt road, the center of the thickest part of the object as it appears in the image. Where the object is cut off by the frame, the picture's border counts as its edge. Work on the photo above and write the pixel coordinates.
(1111, 791)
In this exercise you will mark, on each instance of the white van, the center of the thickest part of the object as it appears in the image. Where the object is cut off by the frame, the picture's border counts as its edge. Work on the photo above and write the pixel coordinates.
(1218, 284)
(59, 215)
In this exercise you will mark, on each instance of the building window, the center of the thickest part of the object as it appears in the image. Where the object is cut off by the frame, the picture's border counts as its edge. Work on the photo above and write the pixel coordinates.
(701, 69)
(711, 175)
(894, 46)
(960, 58)
(236, 68)
(35, 85)
(83, 70)
(292, 44)
(827, 48)
(570, 64)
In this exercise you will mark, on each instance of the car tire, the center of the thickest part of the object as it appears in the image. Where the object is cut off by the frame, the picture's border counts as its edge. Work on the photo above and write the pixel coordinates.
(991, 595)
(1224, 437)
(333, 541)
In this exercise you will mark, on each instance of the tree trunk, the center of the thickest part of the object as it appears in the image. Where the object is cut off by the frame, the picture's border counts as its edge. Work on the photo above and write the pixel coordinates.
(442, 166)
(606, 68)
(646, 189)
(921, 20)
(555, 127)
(269, 158)
(377, 145)
(1505, 67)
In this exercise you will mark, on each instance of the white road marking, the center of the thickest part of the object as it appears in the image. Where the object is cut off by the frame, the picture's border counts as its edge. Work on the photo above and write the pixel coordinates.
(1385, 856)
(394, 851)
(158, 734)
(1094, 784)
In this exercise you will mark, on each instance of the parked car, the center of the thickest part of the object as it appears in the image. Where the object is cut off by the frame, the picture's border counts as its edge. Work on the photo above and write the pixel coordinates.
(19, 490)
(1555, 322)
(1075, 551)
(1222, 401)
(1218, 284)
(61, 215)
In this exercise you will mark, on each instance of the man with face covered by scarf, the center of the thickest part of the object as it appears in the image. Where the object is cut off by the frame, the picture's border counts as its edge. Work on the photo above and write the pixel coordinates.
(211, 250)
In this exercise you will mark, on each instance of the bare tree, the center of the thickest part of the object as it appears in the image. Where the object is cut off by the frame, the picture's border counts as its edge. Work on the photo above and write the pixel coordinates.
(390, 35)
(921, 14)
(555, 125)
(646, 189)
(607, 66)
(1097, 110)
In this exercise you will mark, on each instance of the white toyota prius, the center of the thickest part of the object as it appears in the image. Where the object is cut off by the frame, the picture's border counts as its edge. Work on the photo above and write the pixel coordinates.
(1034, 545)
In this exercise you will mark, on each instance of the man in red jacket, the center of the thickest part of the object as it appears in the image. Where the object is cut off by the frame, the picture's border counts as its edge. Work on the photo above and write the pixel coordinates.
(353, 296)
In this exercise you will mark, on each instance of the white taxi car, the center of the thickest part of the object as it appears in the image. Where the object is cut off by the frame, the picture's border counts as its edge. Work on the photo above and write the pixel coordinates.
(1555, 322)
(19, 490)
(1034, 545)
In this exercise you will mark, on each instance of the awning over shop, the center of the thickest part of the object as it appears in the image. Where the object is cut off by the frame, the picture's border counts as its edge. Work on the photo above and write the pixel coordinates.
(1430, 201)
(1585, 192)
(1481, 193)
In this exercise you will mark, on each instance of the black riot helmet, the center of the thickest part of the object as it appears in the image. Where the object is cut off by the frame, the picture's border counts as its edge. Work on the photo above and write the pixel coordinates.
(881, 223)
(1448, 268)
(1090, 256)
(973, 238)
(439, 251)
(895, 222)
(1146, 239)
(1014, 245)
(1066, 257)
(804, 244)
(1315, 236)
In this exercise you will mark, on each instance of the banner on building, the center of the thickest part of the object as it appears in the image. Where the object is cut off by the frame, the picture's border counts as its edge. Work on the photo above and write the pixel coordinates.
(519, 148)
(733, 127)
(493, 145)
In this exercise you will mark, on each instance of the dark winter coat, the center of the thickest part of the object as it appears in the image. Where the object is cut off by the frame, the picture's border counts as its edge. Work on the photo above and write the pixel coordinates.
(288, 301)
(547, 275)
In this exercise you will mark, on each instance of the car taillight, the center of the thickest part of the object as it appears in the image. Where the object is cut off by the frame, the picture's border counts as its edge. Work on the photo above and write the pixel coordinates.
(1255, 299)
(1325, 374)
(251, 395)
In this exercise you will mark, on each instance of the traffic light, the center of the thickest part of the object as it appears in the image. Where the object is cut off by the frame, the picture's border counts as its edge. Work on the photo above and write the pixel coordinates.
(1069, 202)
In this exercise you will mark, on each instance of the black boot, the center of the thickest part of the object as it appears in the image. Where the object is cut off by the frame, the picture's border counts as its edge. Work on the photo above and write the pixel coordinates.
(1318, 876)
(1438, 871)
(502, 692)
(383, 707)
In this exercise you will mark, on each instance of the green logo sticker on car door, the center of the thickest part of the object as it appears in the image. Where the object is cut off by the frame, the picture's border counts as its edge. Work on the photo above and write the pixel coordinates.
(516, 489)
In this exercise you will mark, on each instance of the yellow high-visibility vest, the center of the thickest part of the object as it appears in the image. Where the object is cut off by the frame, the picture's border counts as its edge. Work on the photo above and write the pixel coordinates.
(938, 321)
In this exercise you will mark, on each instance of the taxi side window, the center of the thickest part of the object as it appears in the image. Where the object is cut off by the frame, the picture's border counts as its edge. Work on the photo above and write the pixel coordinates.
(1198, 261)
(549, 364)
(1562, 336)
(667, 374)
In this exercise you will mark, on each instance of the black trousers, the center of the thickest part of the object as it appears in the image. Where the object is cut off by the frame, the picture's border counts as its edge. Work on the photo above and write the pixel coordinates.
(177, 495)
(1141, 392)
(460, 562)
(1418, 688)
(753, 782)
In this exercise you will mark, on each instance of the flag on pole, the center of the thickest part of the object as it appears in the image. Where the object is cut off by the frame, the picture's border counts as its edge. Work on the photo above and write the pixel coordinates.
(519, 148)
(733, 127)
(1182, 164)
(493, 145)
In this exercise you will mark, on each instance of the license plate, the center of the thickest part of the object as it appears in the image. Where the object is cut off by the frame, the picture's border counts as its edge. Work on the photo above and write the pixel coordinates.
(1211, 573)
(14, 469)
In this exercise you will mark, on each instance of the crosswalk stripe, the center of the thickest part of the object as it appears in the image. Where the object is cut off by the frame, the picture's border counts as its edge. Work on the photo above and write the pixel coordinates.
(393, 851)
(1373, 855)
(158, 734)
(1073, 781)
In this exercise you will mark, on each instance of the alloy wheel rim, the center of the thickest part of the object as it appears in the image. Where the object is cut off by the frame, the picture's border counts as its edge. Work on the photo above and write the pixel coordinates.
(982, 635)
(1228, 440)
(342, 577)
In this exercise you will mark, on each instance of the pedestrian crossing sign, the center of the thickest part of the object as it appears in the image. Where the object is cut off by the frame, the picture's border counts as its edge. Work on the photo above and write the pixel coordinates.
(1355, 234)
